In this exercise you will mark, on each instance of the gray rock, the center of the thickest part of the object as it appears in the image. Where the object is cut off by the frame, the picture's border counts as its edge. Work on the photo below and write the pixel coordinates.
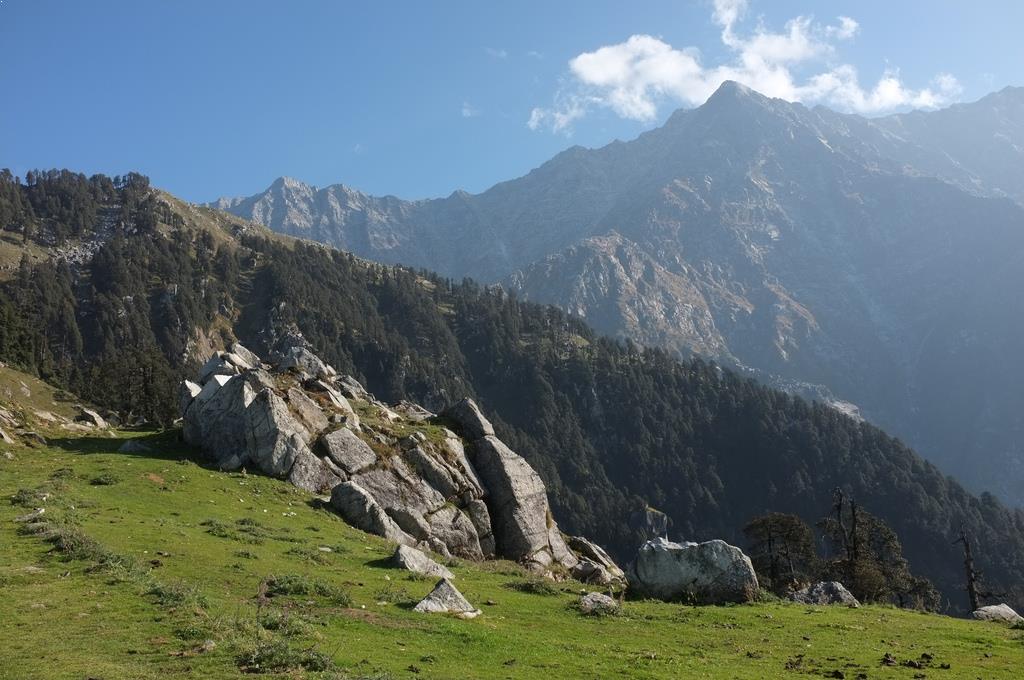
(598, 604)
(347, 450)
(455, 530)
(210, 388)
(470, 420)
(260, 379)
(433, 471)
(478, 514)
(247, 356)
(220, 364)
(416, 561)
(307, 410)
(312, 474)
(588, 571)
(90, 417)
(395, 486)
(592, 553)
(557, 547)
(825, 593)
(445, 598)
(518, 505)
(30, 517)
(357, 507)
(339, 402)
(413, 412)
(1001, 613)
(712, 572)
(7, 418)
(351, 388)
(186, 393)
(454, 453)
(238, 361)
(274, 439)
(217, 420)
(335, 470)
(304, 361)
(411, 522)
(6, 438)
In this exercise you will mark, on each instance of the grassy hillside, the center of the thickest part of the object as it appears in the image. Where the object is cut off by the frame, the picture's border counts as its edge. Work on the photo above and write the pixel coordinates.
(158, 567)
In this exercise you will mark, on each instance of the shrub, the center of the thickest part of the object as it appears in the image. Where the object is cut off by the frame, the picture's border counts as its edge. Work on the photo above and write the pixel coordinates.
(284, 623)
(104, 479)
(534, 586)
(277, 656)
(296, 584)
(215, 527)
(73, 543)
(176, 594)
(27, 498)
(308, 554)
(391, 593)
(191, 631)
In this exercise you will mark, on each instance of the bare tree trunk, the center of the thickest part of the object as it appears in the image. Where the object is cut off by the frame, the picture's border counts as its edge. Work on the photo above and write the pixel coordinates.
(972, 574)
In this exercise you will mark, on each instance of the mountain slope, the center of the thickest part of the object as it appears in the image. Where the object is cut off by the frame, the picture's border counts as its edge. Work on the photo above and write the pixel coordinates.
(870, 257)
(610, 428)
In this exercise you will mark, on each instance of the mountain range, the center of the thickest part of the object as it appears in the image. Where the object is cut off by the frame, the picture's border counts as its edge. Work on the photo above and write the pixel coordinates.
(115, 293)
(869, 263)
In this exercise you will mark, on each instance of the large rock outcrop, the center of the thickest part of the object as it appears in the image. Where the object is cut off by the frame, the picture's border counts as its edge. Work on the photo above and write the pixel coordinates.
(516, 497)
(390, 471)
(712, 572)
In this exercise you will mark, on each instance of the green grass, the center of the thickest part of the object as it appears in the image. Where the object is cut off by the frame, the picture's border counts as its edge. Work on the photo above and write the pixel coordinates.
(177, 571)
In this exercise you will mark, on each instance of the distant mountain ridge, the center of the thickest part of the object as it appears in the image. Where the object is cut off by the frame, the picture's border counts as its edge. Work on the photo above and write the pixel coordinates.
(874, 257)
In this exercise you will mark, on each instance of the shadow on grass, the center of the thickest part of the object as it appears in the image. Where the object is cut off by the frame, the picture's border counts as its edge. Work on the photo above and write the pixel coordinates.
(380, 563)
(154, 445)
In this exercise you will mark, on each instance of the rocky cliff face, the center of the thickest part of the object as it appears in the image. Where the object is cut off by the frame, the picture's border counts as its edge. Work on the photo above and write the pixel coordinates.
(865, 260)
(396, 471)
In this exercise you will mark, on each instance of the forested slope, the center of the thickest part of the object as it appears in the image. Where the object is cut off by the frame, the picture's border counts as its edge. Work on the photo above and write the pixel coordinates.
(611, 428)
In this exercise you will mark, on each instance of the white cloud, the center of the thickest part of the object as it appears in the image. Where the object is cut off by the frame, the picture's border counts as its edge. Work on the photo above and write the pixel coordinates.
(846, 29)
(534, 54)
(634, 77)
(497, 53)
(469, 111)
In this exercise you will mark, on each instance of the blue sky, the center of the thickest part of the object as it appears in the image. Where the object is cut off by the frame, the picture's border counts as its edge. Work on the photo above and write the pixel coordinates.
(418, 99)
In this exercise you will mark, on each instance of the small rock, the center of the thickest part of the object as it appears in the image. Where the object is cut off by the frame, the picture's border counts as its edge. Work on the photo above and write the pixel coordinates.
(418, 562)
(91, 417)
(825, 593)
(598, 604)
(30, 517)
(446, 598)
